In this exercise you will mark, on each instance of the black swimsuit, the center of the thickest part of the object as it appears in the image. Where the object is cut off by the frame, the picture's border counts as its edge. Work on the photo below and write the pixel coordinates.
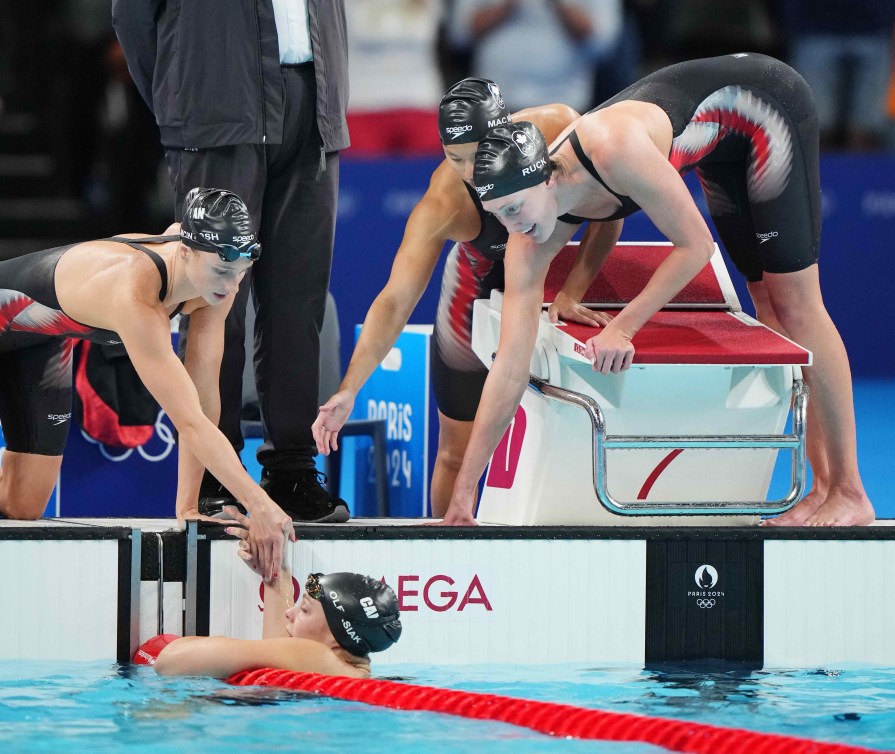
(747, 125)
(36, 339)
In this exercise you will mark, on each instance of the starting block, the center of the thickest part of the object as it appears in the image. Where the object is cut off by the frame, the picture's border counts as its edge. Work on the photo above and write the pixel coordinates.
(688, 435)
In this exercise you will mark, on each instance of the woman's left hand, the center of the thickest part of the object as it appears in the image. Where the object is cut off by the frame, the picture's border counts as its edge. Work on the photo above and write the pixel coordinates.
(610, 351)
(241, 531)
(566, 308)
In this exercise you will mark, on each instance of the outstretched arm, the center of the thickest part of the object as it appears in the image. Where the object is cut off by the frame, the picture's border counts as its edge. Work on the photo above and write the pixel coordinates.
(525, 270)
(202, 360)
(221, 656)
(632, 164)
(144, 329)
(442, 214)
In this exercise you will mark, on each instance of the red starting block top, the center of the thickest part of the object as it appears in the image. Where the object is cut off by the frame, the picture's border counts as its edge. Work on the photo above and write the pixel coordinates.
(704, 337)
(627, 271)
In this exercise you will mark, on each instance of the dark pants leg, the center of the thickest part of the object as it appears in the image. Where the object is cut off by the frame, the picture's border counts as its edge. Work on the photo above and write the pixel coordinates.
(240, 168)
(292, 277)
(293, 202)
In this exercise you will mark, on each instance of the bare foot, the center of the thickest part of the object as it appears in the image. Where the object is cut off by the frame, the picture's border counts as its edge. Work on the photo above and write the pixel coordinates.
(799, 513)
(839, 510)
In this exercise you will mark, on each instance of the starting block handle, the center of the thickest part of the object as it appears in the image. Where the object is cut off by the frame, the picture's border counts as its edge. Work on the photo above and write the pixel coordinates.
(602, 442)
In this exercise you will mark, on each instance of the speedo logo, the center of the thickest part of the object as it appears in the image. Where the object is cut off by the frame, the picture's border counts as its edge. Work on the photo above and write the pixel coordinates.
(456, 131)
(242, 239)
(762, 237)
(537, 166)
(498, 121)
(482, 190)
(58, 419)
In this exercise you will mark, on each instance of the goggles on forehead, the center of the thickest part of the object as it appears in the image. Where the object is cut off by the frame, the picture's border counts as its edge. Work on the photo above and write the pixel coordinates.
(313, 588)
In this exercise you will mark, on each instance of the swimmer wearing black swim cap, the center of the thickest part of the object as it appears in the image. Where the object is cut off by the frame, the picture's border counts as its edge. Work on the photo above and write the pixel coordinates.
(361, 612)
(340, 619)
(469, 109)
(218, 221)
(509, 159)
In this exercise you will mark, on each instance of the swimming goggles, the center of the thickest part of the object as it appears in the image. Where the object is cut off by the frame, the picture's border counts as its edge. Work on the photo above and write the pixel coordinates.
(313, 588)
(230, 253)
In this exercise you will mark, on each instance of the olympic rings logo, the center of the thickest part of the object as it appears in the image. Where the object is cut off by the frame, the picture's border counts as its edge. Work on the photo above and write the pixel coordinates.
(162, 431)
(705, 603)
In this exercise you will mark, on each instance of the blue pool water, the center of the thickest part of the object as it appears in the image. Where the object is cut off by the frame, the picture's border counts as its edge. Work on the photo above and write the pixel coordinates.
(98, 707)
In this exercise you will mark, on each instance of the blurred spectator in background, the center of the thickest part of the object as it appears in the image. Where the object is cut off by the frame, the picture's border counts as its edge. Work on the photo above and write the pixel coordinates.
(706, 28)
(395, 82)
(537, 50)
(844, 51)
(85, 28)
(124, 174)
(619, 64)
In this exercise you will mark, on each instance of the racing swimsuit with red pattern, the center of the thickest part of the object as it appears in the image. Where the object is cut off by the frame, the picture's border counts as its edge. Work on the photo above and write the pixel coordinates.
(36, 341)
(472, 270)
(747, 125)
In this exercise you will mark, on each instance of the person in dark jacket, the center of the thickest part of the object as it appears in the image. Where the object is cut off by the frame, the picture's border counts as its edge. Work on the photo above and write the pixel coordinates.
(250, 95)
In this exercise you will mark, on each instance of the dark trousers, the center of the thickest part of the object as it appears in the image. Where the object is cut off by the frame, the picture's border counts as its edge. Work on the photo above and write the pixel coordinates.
(291, 190)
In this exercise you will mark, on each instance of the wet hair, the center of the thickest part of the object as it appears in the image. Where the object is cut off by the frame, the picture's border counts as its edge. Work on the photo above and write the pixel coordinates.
(468, 109)
(218, 221)
(361, 612)
(509, 159)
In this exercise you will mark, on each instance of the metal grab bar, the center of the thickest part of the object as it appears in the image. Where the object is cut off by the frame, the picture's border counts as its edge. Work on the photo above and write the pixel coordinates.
(603, 442)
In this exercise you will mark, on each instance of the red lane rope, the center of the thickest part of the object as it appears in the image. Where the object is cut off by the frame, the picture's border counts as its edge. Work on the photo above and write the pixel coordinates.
(561, 720)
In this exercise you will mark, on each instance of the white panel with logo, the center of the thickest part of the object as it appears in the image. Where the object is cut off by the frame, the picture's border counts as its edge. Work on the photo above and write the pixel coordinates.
(687, 379)
(473, 601)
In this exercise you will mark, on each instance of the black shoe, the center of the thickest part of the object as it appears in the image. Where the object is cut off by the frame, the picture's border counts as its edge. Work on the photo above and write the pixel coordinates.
(213, 497)
(302, 496)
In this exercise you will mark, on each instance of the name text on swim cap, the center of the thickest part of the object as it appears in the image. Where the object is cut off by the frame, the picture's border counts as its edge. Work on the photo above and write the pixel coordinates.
(532, 168)
(498, 121)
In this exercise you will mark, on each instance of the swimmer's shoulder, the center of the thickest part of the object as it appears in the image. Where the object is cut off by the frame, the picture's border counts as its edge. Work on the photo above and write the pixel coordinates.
(551, 120)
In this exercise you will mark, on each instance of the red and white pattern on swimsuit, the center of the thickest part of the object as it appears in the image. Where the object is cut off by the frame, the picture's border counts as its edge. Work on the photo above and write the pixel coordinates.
(20, 313)
(460, 286)
(737, 111)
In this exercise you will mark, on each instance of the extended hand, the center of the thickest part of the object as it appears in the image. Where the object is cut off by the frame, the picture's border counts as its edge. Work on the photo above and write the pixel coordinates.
(267, 528)
(610, 351)
(332, 417)
(566, 308)
(241, 530)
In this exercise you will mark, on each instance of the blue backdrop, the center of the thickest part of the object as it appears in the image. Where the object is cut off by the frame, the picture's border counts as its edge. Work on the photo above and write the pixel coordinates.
(857, 261)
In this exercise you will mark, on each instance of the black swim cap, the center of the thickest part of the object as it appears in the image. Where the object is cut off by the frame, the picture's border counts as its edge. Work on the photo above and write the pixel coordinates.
(217, 220)
(468, 109)
(361, 612)
(510, 158)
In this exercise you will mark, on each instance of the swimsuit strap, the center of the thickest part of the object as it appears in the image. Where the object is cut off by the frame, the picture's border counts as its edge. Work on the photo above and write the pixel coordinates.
(159, 262)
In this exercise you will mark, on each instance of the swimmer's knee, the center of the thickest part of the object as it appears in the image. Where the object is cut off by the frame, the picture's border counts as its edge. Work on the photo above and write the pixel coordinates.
(21, 509)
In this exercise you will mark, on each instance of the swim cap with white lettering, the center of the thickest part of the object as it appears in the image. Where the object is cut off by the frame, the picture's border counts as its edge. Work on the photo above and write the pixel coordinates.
(468, 109)
(218, 220)
(361, 612)
(509, 159)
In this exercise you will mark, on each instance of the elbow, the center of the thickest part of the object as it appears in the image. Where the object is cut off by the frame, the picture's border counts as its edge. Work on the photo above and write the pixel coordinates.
(706, 249)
